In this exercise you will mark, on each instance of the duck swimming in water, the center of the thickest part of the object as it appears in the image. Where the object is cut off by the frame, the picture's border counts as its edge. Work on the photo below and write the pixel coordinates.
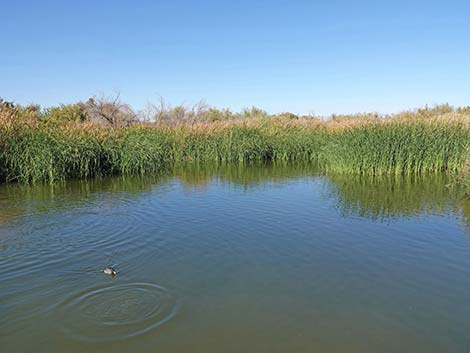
(108, 270)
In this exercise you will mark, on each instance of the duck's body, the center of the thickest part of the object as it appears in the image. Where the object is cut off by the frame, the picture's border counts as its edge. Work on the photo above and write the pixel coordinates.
(110, 271)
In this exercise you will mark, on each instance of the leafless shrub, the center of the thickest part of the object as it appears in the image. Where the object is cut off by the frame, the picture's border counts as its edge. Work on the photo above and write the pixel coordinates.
(163, 112)
(105, 110)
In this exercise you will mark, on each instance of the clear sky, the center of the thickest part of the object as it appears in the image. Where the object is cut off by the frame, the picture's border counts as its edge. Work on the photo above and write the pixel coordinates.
(302, 56)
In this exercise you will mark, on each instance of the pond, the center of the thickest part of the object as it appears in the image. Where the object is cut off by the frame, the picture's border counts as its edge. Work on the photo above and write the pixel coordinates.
(269, 258)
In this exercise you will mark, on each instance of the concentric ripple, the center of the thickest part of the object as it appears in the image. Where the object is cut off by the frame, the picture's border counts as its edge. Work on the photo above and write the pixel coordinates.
(117, 311)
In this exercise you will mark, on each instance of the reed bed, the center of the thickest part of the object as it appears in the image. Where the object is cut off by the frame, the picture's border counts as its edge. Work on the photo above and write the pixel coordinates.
(34, 150)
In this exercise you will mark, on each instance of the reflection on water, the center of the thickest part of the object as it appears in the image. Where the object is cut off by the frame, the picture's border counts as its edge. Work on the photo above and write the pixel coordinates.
(374, 197)
(384, 197)
(218, 258)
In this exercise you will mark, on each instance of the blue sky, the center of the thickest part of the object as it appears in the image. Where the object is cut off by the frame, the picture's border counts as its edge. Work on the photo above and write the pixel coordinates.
(302, 56)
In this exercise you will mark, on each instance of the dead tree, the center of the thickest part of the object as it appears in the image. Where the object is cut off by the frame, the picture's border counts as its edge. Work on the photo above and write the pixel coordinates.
(109, 111)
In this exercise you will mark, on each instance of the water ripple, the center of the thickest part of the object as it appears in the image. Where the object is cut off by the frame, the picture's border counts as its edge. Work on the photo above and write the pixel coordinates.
(114, 312)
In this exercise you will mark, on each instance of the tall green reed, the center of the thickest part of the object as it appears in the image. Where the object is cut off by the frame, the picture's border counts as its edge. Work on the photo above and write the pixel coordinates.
(31, 153)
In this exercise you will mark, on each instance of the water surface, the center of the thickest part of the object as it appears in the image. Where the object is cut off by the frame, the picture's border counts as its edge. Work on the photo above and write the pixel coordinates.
(236, 259)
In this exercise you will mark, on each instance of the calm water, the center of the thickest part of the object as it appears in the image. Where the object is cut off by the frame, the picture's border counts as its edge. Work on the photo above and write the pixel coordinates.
(232, 259)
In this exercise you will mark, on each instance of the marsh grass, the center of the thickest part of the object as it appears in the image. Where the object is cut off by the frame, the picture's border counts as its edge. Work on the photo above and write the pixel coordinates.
(461, 178)
(40, 149)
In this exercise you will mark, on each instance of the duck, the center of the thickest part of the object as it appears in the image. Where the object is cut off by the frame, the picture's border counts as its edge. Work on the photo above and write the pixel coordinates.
(108, 270)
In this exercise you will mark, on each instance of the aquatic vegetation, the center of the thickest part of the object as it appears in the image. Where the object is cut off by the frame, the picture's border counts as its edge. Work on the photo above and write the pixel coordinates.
(462, 177)
(400, 147)
(64, 142)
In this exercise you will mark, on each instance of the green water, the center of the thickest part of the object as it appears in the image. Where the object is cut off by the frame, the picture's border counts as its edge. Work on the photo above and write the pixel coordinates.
(236, 259)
